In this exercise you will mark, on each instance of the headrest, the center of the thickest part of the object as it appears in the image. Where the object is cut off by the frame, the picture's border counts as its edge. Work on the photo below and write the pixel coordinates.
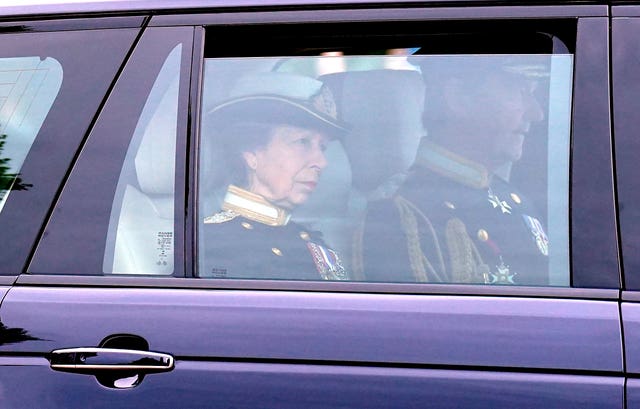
(384, 109)
(155, 161)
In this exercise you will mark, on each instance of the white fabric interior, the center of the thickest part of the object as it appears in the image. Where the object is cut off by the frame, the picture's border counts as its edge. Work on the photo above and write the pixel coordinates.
(144, 232)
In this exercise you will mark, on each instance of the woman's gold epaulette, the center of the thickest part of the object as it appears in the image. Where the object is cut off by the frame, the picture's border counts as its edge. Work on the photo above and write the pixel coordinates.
(221, 217)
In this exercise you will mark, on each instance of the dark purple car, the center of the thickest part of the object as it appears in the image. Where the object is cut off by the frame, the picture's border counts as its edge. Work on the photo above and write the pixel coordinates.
(319, 204)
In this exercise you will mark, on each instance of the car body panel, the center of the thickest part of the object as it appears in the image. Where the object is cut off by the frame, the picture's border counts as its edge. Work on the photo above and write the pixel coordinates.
(403, 329)
(386, 14)
(284, 386)
(289, 349)
(3, 292)
(625, 11)
(69, 24)
(626, 93)
(631, 319)
(34, 7)
(632, 394)
(315, 345)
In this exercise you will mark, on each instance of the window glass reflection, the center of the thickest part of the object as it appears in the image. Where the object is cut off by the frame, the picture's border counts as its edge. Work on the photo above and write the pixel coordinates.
(28, 87)
(140, 239)
(393, 168)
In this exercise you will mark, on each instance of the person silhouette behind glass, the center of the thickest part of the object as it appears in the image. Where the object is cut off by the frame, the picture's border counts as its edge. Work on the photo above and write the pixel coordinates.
(457, 218)
(274, 131)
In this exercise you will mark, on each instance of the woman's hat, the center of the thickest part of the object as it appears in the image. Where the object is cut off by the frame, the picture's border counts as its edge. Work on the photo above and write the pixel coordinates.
(280, 98)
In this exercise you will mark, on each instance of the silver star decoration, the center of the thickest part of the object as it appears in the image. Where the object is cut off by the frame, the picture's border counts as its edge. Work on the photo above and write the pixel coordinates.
(496, 202)
(503, 275)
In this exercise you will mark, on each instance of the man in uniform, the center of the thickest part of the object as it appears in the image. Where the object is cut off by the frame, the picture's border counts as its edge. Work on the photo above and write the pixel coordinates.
(457, 219)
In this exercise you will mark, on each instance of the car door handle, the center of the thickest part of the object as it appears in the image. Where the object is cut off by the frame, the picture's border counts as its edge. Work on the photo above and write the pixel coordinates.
(92, 360)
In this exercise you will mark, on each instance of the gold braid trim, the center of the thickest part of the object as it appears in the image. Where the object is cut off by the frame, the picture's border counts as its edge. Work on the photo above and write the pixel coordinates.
(420, 264)
(460, 253)
(467, 265)
(357, 258)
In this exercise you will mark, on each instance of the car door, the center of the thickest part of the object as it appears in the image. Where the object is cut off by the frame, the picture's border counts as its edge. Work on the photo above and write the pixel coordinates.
(625, 94)
(113, 307)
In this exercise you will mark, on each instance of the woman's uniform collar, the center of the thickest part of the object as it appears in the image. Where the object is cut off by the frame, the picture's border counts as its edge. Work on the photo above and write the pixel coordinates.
(452, 166)
(240, 202)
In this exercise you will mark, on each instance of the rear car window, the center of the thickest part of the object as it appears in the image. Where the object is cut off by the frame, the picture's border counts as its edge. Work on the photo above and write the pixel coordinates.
(28, 87)
(51, 86)
(443, 162)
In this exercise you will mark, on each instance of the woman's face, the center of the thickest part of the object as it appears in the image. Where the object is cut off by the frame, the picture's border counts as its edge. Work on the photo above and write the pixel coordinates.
(287, 169)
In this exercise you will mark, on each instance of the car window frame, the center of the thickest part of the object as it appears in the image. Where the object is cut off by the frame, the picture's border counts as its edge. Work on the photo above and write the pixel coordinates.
(624, 23)
(57, 248)
(590, 72)
(58, 140)
(590, 136)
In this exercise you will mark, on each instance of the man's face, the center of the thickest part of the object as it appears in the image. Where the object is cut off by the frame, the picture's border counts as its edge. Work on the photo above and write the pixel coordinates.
(287, 169)
(500, 112)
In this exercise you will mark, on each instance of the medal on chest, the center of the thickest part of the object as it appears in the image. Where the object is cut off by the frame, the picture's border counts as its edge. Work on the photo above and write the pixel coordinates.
(327, 262)
(540, 237)
(502, 274)
(495, 201)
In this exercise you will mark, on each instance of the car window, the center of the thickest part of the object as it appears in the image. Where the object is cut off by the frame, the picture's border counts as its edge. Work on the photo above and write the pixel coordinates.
(140, 235)
(130, 158)
(28, 87)
(443, 162)
(51, 87)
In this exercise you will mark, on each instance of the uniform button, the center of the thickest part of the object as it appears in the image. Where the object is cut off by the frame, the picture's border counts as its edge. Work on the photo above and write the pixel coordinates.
(304, 235)
(246, 225)
(516, 198)
(450, 205)
(276, 251)
(483, 235)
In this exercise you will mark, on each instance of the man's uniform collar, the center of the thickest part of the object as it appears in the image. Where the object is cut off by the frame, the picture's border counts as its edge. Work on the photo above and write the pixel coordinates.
(452, 166)
(240, 202)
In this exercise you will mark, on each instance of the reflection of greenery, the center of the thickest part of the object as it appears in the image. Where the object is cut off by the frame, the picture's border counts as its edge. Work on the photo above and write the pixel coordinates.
(14, 335)
(9, 180)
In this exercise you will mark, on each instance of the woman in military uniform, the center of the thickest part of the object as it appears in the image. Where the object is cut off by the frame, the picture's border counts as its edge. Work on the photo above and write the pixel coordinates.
(274, 143)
